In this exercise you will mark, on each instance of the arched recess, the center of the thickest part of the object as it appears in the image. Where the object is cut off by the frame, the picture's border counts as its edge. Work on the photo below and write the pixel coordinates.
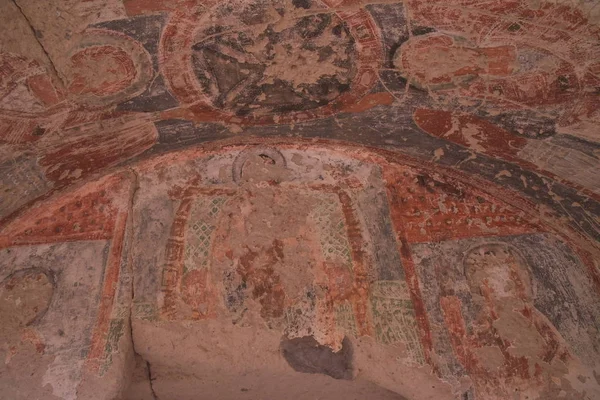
(271, 240)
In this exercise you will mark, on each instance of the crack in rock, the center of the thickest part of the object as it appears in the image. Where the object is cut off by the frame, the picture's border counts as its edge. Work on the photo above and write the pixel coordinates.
(35, 35)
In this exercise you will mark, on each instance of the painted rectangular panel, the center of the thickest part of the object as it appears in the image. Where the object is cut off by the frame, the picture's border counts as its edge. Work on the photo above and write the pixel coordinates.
(62, 334)
(507, 307)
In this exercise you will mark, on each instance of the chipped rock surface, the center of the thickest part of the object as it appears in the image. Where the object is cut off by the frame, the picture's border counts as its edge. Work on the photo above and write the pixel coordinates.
(243, 199)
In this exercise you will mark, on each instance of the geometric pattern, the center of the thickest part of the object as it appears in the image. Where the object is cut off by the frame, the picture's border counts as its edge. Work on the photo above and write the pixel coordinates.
(201, 225)
(344, 319)
(394, 317)
(332, 228)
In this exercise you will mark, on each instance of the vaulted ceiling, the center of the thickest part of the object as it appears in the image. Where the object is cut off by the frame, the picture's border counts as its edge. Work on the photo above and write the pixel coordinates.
(438, 122)
(506, 91)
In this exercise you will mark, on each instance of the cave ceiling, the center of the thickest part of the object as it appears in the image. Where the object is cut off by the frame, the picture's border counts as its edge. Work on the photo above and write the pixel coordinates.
(135, 132)
(506, 91)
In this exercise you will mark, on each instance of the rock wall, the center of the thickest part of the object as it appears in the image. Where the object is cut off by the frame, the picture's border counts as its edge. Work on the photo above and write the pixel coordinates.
(280, 269)
(294, 198)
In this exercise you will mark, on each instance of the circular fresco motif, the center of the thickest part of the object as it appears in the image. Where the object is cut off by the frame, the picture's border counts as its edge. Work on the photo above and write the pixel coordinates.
(106, 68)
(268, 61)
(101, 70)
(24, 297)
(501, 269)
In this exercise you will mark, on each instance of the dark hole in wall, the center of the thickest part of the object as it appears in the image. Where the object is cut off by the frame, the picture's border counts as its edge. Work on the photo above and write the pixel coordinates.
(306, 355)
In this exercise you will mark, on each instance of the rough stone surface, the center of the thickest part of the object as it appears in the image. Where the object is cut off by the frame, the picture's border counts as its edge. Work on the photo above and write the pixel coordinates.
(224, 197)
